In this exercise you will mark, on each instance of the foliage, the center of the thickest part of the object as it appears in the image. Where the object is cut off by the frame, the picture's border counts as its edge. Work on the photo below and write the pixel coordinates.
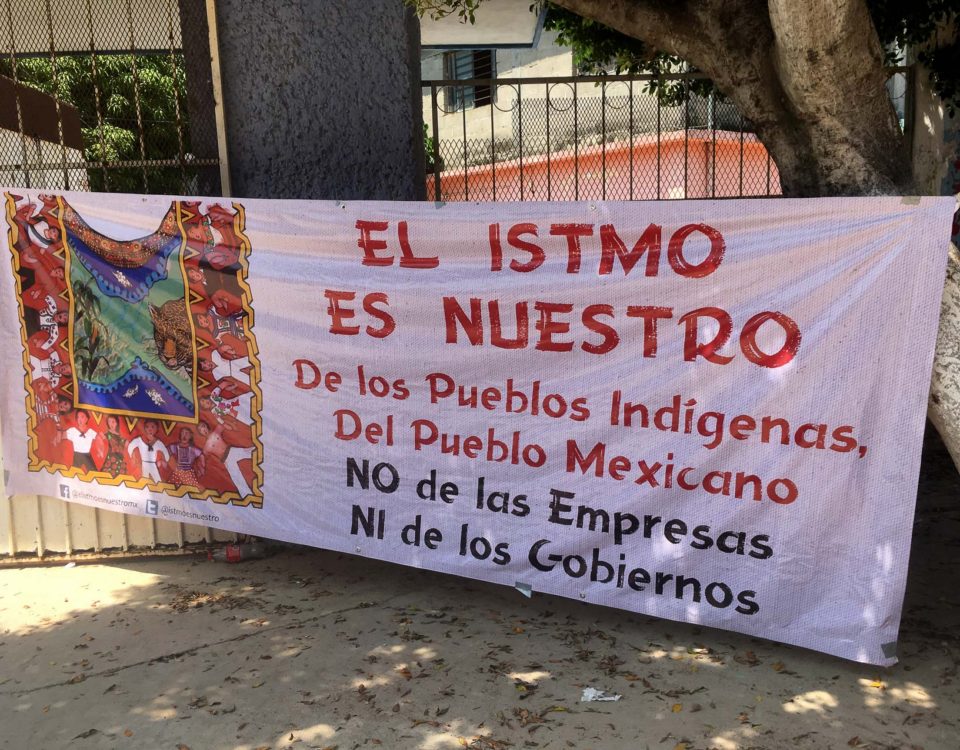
(429, 146)
(437, 9)
(598, 49)
(89, 348)
(108, 84)
(913, 25)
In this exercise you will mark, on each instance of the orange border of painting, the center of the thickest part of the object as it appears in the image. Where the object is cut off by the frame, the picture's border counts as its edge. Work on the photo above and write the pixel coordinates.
(255, 498)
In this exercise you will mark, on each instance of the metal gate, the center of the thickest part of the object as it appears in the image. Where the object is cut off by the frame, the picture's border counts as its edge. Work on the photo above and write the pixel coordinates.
(642, 137)
(109, 95)
(115, 96)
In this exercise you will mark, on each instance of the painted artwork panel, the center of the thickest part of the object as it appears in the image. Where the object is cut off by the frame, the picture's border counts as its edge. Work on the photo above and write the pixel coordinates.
(140, 359)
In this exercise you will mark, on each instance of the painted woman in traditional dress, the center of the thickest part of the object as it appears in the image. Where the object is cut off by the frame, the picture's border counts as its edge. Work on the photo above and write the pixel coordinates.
(115, 463)
(81, 436)
(185, 457)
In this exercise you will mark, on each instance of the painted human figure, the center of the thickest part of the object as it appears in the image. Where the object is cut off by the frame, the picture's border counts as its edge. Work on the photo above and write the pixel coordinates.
(226, 436)
(197, 280)
(45, 363)
(34, 236)
(51, 319)
(225, 252)
(66, 418)
(231, 399)
(115, 463)
(222, 460)
(48, 282)
(152, 453)
(46, 401)
(81, 436)
(221, 367)
(187, 460)
(48, 421)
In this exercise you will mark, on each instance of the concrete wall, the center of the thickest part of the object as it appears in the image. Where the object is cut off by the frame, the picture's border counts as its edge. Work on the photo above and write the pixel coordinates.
(321, 98)
(114, 24)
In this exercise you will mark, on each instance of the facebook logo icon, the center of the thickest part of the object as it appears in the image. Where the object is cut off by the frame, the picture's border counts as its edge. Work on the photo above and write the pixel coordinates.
(152, 507)
(64, 492)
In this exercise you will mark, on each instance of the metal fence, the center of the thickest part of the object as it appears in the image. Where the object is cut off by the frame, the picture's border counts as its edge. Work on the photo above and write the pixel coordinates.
(593, 138)
(110, 95)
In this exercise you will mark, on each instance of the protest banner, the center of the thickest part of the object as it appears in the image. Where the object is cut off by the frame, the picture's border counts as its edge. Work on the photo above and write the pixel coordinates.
(707, 411)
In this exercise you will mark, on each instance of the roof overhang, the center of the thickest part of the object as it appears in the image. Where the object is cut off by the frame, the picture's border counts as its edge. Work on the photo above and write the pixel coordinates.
(110, 27)
(40, 115)
(498, 24)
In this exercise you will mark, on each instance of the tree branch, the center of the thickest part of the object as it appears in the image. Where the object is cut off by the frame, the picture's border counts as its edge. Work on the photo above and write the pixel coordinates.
(665, 26)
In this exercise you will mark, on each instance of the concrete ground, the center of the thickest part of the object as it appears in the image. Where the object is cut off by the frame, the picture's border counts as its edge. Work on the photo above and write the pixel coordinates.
(318, 650)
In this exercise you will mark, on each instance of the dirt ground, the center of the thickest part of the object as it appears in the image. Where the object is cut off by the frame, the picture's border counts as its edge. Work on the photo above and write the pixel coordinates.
(313, 649)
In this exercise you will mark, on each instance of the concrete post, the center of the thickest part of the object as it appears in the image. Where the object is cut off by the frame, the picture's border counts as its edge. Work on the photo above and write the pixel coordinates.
(200, 96)
(322, 99)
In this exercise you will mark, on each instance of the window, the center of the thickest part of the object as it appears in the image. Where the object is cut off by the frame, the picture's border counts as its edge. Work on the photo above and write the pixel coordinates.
(464, 65)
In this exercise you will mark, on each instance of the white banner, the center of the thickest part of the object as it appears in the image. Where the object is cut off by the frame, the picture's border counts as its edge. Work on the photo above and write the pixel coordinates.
(708, 411)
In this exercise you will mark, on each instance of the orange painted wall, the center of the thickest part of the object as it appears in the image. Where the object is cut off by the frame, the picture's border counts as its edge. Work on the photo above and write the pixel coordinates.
(686, 171)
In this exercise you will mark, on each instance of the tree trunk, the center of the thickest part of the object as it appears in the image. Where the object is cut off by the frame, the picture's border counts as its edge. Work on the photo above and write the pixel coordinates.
(944, 408)
(808, 74)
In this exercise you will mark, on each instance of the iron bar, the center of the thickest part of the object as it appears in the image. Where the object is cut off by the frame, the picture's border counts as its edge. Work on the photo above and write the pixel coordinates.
(549, 152)
(176, 103)
(136, 96)
(630, 97)
(713, 156)
(436, 143)
(741, 156)
(686, 137)
(56, 97)
(493, 146)
(466, 177)
(603, 141)
(659, 131)
(520, 118)
(576, 145)
(96, 96)
(559, 79)
(122, 164)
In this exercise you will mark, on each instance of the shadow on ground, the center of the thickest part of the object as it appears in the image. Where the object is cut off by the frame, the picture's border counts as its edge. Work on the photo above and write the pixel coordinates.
(318, 650)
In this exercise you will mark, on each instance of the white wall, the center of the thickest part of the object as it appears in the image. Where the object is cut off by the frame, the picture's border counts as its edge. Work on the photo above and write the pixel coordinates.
(39, 152)
(548, 59)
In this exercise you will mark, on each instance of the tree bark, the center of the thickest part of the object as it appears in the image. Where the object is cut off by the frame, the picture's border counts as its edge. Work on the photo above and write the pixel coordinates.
(944, 409)
(808, 74)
